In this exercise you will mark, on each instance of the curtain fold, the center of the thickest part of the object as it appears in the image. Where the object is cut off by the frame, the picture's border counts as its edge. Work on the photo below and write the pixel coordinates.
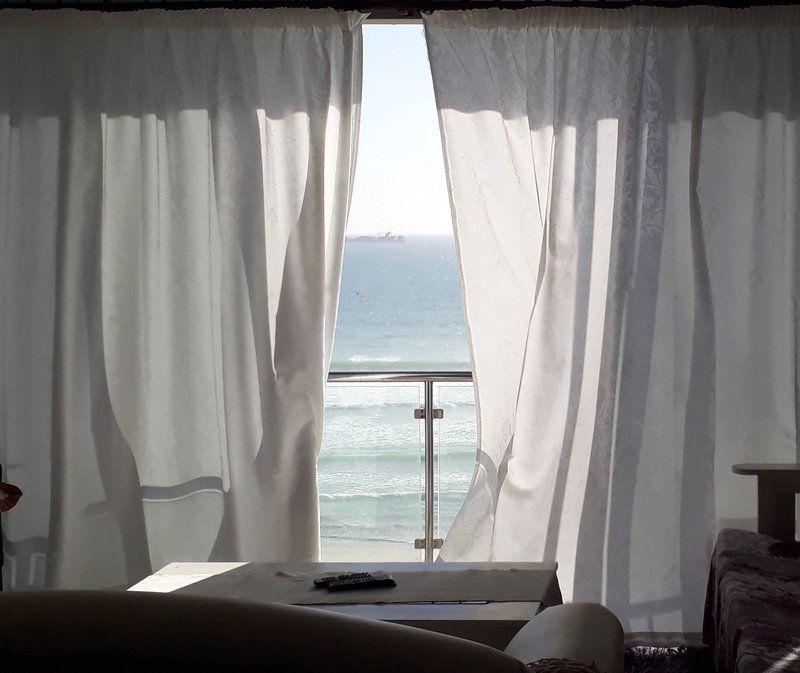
(624, 187)
(174, 190)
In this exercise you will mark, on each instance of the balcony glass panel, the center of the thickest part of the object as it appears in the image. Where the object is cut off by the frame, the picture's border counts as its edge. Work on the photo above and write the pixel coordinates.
(370, 473)
(456, 442)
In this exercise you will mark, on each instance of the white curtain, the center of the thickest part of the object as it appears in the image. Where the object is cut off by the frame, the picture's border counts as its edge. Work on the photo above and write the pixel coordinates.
(625, 199)
(173, 194)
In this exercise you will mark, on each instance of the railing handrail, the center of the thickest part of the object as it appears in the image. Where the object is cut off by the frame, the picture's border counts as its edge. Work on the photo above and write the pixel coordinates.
(399, 376)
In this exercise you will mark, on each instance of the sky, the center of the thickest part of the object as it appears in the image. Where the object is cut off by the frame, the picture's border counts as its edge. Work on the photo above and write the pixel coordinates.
(400, 183)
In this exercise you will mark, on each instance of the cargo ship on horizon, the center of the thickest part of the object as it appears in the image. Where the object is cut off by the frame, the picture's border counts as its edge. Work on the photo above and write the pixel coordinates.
(388, 237)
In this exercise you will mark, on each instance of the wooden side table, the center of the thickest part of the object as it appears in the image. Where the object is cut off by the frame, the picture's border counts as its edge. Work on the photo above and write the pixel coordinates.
(778, 484)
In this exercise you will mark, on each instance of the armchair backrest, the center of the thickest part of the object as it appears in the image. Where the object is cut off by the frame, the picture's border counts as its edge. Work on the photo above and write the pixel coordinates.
(132, 631)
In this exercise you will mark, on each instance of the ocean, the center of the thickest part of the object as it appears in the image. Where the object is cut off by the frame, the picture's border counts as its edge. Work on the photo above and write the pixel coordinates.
(400, 310)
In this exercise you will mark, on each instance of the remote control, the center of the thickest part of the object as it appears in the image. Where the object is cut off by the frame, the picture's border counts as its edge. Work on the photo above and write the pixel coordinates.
(368, 582)
(323, 582)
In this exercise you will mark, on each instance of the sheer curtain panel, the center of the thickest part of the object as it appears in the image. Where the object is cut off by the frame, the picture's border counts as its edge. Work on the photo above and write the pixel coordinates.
(625, 198)
(173, 194)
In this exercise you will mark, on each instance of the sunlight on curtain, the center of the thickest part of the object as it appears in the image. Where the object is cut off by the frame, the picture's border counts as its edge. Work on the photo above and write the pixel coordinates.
(625, 194)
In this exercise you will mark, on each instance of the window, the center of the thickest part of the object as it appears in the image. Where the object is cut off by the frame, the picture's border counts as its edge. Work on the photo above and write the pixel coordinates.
(400, 311)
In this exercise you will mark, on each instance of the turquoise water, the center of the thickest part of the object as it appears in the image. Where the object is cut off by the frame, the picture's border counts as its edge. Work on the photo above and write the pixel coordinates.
(400, 310)
(400, 307)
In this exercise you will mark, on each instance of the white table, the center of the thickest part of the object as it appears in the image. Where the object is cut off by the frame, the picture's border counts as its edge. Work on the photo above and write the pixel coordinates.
(491, 622)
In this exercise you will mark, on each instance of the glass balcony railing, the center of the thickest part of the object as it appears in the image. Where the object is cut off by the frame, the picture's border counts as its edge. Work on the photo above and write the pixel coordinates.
(397, 458)
(456, 444)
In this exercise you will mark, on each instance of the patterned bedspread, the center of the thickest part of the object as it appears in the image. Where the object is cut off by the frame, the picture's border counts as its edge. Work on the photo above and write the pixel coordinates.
(752, 613)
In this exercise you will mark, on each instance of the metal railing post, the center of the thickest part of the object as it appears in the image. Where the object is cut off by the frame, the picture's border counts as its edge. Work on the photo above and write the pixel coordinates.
(430, 486)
